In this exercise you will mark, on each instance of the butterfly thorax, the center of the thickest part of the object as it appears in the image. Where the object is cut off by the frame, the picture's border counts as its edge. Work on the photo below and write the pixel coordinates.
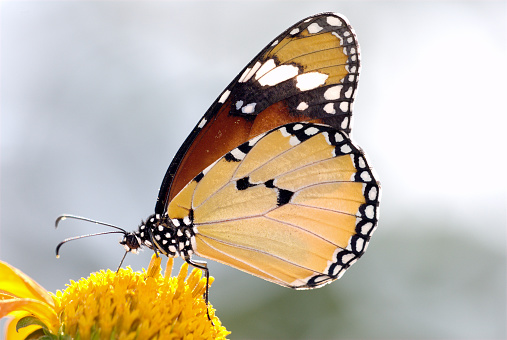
(172, 237)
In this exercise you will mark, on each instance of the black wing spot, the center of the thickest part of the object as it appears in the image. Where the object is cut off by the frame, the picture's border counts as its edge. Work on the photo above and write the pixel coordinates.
(244, 183)
(284, 196)
(270, 183)
(199, 177)
(230, 158)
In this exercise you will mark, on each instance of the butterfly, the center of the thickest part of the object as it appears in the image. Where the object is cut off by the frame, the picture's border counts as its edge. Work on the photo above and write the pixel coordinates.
(269, 180)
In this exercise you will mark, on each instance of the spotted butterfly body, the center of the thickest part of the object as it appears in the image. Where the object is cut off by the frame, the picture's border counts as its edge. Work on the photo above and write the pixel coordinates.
(269, 181)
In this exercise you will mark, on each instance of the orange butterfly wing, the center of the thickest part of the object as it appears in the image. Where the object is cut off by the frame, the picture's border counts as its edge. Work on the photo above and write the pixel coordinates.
(308, 73)
(295, 206)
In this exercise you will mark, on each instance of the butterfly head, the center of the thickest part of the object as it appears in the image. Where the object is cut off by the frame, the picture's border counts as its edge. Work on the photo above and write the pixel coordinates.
(131, 242)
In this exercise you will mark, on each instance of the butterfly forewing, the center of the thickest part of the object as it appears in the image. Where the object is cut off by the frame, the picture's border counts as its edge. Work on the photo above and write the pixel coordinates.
(308, 73)
(295, 206)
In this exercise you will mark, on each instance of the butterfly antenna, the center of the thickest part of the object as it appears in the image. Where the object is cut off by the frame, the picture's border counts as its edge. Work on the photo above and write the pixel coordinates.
(74, 217)
(63, 217)
(83, 236)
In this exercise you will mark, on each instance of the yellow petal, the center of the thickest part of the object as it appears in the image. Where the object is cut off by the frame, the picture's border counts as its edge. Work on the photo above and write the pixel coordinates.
(6, 296)
(15, 282)
(40, 310)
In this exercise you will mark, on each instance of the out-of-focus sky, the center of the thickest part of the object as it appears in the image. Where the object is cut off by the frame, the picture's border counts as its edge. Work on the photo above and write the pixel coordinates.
(97, 96)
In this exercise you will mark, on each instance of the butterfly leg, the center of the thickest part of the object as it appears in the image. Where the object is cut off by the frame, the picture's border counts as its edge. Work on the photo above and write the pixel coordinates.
(154, 247)
(121, 262)
(203, 266)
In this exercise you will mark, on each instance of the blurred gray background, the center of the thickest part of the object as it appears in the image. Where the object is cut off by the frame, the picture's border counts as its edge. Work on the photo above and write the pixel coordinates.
(97, 96)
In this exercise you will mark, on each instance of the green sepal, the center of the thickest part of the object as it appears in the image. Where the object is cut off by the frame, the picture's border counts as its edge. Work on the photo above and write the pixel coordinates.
(95, 333)
(29, 321)
(65, 337)
(48, 337)
(35, 335)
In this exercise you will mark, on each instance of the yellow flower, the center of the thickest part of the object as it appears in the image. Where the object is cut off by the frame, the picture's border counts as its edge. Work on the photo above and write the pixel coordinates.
(110, 305)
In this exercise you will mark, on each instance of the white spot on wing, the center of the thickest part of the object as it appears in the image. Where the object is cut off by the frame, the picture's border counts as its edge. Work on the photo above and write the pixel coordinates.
(365, 176)
(302, 106)
(294, 31)
(345, 149)
(238, 154)
(252, 71)
(345, 123)
(311, 131)
(329, 108)
(278, 75)
(224, 96)
(359, 244)
(336, 270)
(293, 140)
(243, 76)
(249, 108)
(348, 94)
(265, 68)
(347, 257)
(333, 92)
(254, 140)
(202, 123)
(284, 132)
(372, 194)
(314, 28)
(311, 80)
(239, 104)
(365, 229)
(205, 171)
(362, 163)
(326, 136)
(369, 211)
(334, 21)
(350, 68)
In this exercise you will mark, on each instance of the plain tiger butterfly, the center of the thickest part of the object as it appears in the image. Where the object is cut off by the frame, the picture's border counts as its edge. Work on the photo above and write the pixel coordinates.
(269, 180)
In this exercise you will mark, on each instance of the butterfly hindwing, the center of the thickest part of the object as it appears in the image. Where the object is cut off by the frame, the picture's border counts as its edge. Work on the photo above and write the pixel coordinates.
(296, 205)
(308, 73)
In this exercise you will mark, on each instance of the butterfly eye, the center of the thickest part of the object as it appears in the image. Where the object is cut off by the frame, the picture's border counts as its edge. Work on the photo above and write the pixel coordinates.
(131, 243)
